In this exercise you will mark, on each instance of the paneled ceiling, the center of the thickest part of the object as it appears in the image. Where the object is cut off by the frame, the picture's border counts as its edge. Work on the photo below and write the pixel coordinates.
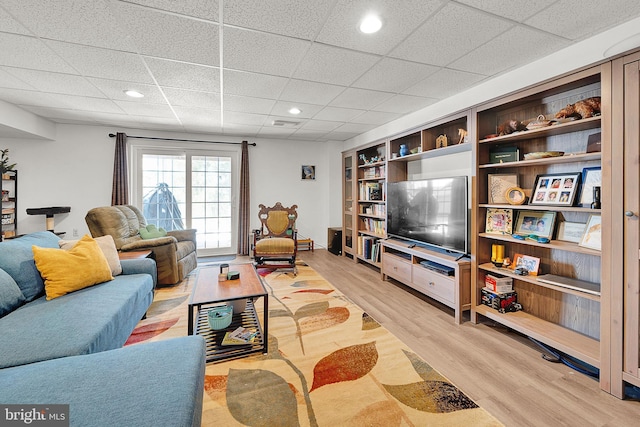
(234, 67)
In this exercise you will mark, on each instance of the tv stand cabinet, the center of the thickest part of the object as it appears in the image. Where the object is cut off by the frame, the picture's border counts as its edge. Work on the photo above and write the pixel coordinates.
(403, 263)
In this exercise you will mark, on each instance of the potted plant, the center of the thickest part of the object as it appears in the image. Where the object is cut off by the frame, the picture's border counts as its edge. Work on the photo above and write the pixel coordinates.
(5, 166)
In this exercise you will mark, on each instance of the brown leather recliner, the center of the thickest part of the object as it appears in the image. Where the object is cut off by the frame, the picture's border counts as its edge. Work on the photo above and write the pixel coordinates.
(175, 254)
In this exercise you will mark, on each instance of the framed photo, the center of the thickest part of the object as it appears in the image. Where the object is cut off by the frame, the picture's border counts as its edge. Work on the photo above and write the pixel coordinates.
(530, 263)
(592, 237)
(570, 231)
(499, 221)
(515, 196)
(558, 189)
(591, 177)
(498, 185)
(537, 223)
(308, 172)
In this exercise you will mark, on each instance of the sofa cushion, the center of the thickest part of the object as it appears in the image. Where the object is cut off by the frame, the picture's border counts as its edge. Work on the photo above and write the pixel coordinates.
(67, 271)
(154, 384)
(16, 258)
(151, 232)
(10, 294)
(90, 320)
(108, 247)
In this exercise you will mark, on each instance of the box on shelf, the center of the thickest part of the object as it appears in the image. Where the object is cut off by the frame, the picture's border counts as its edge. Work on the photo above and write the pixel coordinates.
(497, 300)
(498, 284)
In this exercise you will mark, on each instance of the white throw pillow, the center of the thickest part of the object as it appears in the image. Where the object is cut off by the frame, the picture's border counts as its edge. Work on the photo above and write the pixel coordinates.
(108, 247)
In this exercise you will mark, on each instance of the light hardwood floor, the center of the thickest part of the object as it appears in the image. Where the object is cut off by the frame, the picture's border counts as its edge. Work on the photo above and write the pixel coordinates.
(500, 370)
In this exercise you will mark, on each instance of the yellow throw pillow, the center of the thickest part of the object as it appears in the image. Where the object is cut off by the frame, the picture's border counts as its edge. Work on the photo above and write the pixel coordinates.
(108, 247)
(63, 271)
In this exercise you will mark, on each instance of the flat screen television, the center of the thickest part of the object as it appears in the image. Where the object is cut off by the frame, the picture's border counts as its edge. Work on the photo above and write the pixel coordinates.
(431, 211)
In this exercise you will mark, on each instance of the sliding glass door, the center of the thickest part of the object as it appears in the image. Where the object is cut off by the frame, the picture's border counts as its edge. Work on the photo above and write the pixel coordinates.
(179, 189)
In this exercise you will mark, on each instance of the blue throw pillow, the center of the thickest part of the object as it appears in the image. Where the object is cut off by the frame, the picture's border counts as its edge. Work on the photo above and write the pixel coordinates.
(16, 258)
(10, 294)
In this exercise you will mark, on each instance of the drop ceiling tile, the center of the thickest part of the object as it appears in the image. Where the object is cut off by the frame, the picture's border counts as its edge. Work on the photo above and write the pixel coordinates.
(375, 118)
(170, 36)
(362, 99)
(102, 63)
(308, 135)
(89, 22)
(153, 110)
(398, 21)
(444, 83)
(247, 104)
(31, 98)
(394, 75)
(243, 130)
(192, 98)
(574, 19)
(323, 125)
(87, 103)
(8, 81)
(518, 10)
(281, 108)
(310, 92)
(253, 84)
(453, 32)
(301, 19)
(337, 114)
(182, 75)
(205, 9)
(49, 82)
(29, 52)
(356, 128)
(483, 61)
(232, 117)
(338, 135)
(328, 64)
(404, 104)
(114, 89)
(190, 116)
(206, 129)
(272, 131)
(59, 113)
(247, 50)
(10, 25)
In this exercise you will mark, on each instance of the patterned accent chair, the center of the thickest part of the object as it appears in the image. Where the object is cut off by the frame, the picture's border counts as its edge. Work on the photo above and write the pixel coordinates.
(275, 243)
(175, 253)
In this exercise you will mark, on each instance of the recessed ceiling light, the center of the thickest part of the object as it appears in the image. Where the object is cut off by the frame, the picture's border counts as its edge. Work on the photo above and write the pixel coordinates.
(370, 24)
(295, 110)
(134, 93)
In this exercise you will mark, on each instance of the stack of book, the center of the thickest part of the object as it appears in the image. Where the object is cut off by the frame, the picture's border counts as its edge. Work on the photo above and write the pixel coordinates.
(239, 336)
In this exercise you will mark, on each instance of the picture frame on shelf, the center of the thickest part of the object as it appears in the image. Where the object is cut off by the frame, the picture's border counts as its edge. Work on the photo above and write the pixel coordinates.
(591, 177)
(536, 223)
(499, 221)
(515, 196)
(529, 263)
(498, 184)
(556, 189)
(592, 236)
(570, 231)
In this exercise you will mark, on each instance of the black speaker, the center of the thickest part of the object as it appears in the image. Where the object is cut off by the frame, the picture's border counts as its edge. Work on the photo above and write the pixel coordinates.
(334, 239)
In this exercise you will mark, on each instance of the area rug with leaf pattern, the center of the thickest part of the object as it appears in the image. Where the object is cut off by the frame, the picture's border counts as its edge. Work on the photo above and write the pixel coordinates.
(329, 364)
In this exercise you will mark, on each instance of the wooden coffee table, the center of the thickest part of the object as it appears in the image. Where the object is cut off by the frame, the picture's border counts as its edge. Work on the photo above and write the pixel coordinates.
(208, 292)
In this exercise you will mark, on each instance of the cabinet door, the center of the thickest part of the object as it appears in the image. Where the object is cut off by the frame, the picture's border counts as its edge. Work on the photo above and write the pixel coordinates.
(631, 223)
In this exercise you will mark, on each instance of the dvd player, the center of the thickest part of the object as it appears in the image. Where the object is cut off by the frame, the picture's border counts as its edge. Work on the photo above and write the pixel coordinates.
(438, 268)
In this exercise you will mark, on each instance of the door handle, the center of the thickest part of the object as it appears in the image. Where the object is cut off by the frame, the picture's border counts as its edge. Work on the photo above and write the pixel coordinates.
(629, 214)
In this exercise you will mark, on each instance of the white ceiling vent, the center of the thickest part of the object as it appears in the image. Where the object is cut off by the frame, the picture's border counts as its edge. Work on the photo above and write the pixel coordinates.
(285, 123)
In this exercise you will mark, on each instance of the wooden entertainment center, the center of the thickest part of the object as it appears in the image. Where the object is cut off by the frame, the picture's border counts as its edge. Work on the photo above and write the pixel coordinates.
(598, 325)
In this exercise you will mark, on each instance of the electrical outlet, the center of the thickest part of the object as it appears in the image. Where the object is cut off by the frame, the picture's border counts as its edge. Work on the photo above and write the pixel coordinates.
(75, 232)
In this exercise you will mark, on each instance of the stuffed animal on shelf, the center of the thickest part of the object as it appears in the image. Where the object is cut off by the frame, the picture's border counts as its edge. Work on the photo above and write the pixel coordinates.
(511, 126)
(581, 109)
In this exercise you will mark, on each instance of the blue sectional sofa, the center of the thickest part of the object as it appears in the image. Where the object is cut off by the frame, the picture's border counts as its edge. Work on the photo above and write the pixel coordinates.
(68, 350)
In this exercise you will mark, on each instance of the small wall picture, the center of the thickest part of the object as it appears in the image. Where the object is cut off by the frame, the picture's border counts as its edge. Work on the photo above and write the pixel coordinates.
(308, 172)
(499, 221)
(558, 189)
(537, 223)
(592, 237)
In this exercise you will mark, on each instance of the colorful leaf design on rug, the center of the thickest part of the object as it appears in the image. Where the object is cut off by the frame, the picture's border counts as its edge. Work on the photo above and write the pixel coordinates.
(423, 369)
(369, 323)
(251, 406)
(331, 317)
(431, 396)
(385, 413)
(160, 307)
(346, 364)
(314, 291)
(215, 386)
(143, 333)
(308, 283)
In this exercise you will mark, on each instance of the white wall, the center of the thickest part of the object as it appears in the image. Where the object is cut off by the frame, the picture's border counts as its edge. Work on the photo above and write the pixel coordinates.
(75, 169)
